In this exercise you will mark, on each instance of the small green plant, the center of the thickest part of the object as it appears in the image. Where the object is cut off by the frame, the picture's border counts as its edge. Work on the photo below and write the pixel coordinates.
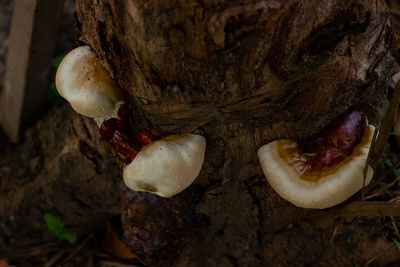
(55, 224)
(56, 61)
(396, 171)
(53, 93)
(397, 243)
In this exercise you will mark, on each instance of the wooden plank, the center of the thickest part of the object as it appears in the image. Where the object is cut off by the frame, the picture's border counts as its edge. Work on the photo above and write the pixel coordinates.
(33, 36)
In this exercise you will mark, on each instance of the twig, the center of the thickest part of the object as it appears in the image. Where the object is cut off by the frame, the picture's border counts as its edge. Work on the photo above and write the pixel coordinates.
(368, 161)
(366, 209)
(377, 255)
(379, 191)
(331, 260)
(39, 249)
(116, 264)
(389, 171)
(333, 235)
(54, 259)
(396, 230)
(395, 199)
(75, 251)
(386, 126)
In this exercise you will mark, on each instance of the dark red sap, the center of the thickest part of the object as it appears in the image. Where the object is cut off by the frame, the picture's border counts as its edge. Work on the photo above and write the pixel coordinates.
(332, 145)
(115, 131)
(144, 137)
(336, 141)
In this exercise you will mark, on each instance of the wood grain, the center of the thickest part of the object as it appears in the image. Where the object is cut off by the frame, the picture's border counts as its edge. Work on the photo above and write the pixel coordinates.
(242, 73)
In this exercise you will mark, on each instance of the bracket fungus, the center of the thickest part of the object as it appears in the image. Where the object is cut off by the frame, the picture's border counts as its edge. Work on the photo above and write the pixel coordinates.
(164, 167)
(324, 171)
(167, 166)
(83, 81)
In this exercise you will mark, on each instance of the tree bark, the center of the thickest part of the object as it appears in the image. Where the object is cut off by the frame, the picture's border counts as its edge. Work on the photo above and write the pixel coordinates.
(243, 73)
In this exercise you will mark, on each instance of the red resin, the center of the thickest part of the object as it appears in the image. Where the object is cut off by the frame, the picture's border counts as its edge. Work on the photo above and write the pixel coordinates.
(115, 131)
(332, 145)
(144, 137)
(108, 127)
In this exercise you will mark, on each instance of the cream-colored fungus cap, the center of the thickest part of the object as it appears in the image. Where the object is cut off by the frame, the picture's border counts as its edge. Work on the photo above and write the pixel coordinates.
(331, 187)
(83, 81)
(167, 166)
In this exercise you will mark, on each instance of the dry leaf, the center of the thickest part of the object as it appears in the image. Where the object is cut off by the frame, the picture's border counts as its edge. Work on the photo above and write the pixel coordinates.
(113, 245)
(4, 263)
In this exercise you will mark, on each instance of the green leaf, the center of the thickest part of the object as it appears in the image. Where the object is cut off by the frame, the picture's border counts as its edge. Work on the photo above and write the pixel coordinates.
(56, 61)
(70, 237)
(309, 154)
(397, 243)
(53, 96)
(55, 224)
(396, 172)
(388, 162)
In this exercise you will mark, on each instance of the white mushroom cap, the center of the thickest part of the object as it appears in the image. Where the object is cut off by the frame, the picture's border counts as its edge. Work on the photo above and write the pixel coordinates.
(83, 81)
(333, 186)
(167, 166)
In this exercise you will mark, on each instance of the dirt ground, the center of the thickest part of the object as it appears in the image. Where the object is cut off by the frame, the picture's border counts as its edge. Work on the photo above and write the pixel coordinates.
(346, 241)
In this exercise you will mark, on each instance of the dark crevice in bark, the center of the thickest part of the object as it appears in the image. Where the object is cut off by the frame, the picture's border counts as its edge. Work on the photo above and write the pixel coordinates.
(251, 182)
(323, 41)
(86, 129)
(232, 260)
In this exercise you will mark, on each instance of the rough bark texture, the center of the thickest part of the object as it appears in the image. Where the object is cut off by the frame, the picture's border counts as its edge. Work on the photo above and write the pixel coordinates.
(282, 69)
(157, 229)
(241, 73)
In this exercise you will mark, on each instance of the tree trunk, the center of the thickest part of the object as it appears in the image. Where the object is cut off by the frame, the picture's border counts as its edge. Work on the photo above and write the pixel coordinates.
(243, 73)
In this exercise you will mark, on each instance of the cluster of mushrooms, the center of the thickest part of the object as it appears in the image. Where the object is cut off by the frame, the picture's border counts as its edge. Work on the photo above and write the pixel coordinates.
(318, 174)
(164, 167)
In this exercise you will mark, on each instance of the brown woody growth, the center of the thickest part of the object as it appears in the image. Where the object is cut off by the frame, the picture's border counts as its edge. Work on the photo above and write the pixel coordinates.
(241, 73)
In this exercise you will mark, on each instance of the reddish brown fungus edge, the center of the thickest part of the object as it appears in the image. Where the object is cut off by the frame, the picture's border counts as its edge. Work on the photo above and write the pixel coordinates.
(144, 137)
(335, 145)
(116, 130)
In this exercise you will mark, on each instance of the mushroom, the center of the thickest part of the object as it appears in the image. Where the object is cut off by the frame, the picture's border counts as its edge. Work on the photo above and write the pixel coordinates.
(167, 166)
(164, 167)
(83, 81)
(325, 171)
